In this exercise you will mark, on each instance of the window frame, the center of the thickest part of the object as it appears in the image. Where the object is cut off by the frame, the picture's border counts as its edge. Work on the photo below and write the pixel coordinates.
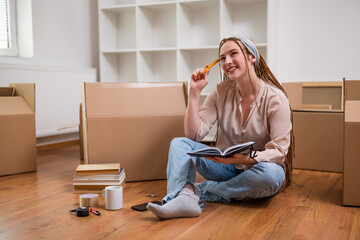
(13, 50)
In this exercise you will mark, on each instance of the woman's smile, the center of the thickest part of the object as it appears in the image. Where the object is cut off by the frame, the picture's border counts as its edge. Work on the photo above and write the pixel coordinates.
(231, 69)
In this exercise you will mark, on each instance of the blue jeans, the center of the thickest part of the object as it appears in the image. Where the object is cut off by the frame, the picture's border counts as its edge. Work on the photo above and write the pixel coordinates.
(224, 181)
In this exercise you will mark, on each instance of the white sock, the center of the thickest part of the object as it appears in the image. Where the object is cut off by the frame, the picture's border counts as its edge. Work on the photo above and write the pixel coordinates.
(185, 204)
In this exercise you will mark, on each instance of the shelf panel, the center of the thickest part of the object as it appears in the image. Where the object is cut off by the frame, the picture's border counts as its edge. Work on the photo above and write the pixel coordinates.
(200, 24)
(112, 3)
(158, 49)
(118, 8)
(157, 26)
(157, 66)
(118, 67)
(263, 50)
(201, 48)
(118, 51)
(190, 60)
(244, 1)
(245, 18)
(117, 28)
(154, 2)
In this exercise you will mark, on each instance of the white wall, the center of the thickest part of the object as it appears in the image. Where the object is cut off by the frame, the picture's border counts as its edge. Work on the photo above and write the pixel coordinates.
(317, 40)
(309, 40)
(65, 49)
(65, 34)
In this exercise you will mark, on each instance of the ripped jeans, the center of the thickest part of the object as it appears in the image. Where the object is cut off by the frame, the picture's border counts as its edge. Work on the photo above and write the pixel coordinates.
(224, 181)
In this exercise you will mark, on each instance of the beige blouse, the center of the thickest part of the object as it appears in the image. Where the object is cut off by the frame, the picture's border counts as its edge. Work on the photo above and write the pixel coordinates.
(268, 123)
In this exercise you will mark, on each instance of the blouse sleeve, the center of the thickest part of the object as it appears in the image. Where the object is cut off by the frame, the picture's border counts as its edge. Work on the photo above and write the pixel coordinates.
(279, 125)
(208, 116)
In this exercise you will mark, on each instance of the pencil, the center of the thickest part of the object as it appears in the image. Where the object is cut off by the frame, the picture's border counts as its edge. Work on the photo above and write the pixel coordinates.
(211, 65)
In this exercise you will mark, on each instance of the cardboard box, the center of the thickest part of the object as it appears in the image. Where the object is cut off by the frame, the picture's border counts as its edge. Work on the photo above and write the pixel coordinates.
(81, 135)
(17, 129)
(352, 90)
(315, 95)
(318, 140)
(318, 124)
(351, 176)
(133, 124)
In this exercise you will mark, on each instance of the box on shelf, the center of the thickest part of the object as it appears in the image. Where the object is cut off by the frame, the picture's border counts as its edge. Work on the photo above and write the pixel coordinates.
(318, 124)
(132, 124)
(17, 129)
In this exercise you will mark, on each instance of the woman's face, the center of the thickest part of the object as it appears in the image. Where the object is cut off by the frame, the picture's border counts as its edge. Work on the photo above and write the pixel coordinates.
(232, 60)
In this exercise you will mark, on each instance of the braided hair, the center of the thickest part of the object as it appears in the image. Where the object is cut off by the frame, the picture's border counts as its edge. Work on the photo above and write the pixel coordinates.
(263, 72)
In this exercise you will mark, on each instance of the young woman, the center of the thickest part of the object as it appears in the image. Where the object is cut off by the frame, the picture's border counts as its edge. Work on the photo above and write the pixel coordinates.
(249, 105)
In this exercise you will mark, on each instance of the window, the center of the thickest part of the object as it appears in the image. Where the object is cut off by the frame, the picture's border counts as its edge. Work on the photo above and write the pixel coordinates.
(8, 36)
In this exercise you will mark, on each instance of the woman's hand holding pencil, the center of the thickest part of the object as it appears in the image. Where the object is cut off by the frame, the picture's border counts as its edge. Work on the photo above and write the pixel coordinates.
(211, 65)
(199, 78)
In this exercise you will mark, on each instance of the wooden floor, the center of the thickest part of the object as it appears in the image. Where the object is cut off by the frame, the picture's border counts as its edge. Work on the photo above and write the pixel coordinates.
(36, 206)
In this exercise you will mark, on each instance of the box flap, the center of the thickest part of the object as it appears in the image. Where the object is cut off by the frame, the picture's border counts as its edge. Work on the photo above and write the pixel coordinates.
(14, 106)
(352, 90)
(6, 91)
(131, 99)
(315, 95)
(352, 113)
(294, 93)
(27, 91)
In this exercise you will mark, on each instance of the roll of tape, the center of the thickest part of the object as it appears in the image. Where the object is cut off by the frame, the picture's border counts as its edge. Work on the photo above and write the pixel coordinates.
(89, 200)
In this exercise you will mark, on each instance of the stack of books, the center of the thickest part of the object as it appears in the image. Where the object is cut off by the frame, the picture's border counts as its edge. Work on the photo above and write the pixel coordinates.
(93, 178)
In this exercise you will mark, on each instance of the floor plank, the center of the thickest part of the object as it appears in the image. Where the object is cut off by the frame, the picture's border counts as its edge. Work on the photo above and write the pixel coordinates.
(35, 206)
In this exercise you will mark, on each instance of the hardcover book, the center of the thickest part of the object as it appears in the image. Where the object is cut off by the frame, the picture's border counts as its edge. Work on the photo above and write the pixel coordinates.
(91, 169)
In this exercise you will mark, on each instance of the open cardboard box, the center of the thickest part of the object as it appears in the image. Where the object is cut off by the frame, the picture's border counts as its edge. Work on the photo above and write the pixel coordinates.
(17, 129)
(317, 96)
(132, 124)
(318, 124)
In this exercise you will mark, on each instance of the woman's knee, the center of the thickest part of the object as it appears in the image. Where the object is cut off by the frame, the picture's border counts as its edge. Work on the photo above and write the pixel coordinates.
(270, 173)
(178, 149)
(178, 141)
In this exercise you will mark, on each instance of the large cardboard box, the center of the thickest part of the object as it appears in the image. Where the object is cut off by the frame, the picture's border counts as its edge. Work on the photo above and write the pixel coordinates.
(318, 140)
(133, 124)
(351, 176)
(17, 129)
(318, 124)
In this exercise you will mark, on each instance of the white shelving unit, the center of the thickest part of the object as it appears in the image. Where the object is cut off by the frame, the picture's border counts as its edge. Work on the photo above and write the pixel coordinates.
(166, 40)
